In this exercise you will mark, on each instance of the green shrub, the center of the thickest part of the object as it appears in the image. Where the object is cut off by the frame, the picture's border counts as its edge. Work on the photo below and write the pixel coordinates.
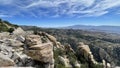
(11, 30)
(97, 66)
(58, 52)
(84, 65)
(3, 27)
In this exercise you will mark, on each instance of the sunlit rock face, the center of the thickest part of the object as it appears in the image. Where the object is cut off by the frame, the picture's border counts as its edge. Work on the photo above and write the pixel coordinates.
(39, 51)
(84, 51)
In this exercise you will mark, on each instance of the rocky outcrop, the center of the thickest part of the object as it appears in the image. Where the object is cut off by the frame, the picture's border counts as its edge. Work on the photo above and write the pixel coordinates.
(50, 38)
(85, 55)
(22, 49)
(84, 51)
(39, 51)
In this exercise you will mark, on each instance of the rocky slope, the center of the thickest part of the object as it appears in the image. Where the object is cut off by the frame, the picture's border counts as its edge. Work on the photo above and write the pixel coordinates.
(41, 50)
(103, 45)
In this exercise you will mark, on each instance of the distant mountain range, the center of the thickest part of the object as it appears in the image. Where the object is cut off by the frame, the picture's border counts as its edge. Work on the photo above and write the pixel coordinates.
(108, 29)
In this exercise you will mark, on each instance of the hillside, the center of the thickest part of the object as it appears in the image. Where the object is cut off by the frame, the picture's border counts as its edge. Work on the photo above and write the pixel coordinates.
(42, 50)
(56, 48)
(5, 25)
(107, 29)
(99, 42)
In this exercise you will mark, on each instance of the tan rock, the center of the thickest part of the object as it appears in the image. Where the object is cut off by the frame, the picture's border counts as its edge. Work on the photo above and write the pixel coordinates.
(5, 61)
(44, 55)
(32, 40)
(69, 48)
(41, 46)
(52, 38)
(19, 30)
(84, 50)
(64, 60)
(16, 43)
(39, 51)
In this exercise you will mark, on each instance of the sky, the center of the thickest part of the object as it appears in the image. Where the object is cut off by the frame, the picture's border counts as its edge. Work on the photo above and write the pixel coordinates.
(59, 13)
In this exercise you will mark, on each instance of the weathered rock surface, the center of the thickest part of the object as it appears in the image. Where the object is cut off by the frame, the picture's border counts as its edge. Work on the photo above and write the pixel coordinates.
(84, 50)
(39, 51)
(22, 49)
(15, 43)
(19, 31)
(32, 40)
(20, 38)
(5, 61)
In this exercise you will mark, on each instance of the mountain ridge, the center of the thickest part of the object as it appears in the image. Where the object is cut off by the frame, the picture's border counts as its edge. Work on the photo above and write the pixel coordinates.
(101, 28)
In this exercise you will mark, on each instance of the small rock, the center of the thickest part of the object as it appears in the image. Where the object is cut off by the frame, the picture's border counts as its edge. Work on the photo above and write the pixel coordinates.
(77, 64)
(64, 60)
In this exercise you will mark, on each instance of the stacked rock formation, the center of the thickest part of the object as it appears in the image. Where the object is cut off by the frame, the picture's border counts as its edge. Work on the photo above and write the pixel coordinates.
(39, 51)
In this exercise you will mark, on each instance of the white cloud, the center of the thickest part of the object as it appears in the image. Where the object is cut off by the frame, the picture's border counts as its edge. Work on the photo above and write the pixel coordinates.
(4, 15)
(5, 2)
(95, 14)
(59, 8)
(106, 4)
(55, 3)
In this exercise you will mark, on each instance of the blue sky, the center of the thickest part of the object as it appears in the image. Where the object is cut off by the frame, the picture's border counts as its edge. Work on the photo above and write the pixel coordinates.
(58, 13)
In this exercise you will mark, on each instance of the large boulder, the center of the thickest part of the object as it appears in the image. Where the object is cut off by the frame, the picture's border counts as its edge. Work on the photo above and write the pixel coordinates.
(5, 61)
(39, 51)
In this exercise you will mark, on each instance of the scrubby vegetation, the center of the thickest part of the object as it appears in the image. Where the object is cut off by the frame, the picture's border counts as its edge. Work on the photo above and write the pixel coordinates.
(96, 41)
(6, 26)
(10, 30)
(58, 52)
